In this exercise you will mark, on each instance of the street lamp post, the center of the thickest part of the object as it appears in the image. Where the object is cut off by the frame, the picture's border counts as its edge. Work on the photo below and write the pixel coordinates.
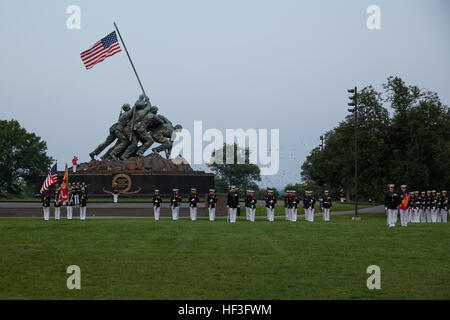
(354, 104)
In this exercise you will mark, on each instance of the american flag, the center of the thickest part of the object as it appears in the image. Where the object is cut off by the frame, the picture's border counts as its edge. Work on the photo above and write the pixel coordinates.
(106, 47)
(52, 178)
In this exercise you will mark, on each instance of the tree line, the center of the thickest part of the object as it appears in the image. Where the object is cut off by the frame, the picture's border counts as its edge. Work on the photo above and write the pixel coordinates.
(409, 146)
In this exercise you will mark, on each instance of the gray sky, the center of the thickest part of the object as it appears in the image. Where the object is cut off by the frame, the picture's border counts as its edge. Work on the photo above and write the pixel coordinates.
(232, 64)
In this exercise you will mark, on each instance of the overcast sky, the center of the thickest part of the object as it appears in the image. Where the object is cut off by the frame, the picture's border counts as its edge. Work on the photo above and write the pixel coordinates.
(232, 64)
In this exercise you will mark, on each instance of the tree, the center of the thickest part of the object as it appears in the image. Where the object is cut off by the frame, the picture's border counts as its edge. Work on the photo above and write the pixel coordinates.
(230, 172)
(410, 147)
(22, 157)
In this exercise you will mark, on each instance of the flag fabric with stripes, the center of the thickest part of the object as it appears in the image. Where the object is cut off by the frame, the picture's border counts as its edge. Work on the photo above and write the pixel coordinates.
(106, 47)
(52, 178)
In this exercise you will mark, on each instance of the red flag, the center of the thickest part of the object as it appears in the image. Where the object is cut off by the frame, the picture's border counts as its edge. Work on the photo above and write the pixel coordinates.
(64, 186)
(404, 204)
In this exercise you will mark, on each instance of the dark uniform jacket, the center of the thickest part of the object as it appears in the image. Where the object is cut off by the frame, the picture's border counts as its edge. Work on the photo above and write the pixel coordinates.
(70, 200)
(157, 200)
(391, 200)
(271, 201)
(415, 202)
(247, 198)
(433, 202)
(287, 201)
(57, 203)
(294, 202)
(233, 199)
(116, 190)
(193, 199)
(46, 200)
(175, 200)
(444, 203)
(83, 199)
(211, 200)
(306, 202)
(251, 202)
(326, 202)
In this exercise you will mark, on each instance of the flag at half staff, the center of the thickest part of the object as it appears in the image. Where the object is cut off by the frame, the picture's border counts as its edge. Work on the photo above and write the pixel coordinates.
(106, 47)
(52, 178)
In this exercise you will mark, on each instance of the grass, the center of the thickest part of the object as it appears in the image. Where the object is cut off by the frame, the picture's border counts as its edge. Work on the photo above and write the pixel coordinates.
(146, 259)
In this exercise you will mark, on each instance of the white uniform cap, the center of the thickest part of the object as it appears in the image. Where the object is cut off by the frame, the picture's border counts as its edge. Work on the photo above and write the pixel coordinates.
(403, 186)
(156, 190)
(212, 190)
(391, 185)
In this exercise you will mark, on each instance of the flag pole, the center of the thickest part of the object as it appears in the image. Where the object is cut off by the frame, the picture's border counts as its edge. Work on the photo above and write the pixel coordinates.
(129, 58)
(139, 80)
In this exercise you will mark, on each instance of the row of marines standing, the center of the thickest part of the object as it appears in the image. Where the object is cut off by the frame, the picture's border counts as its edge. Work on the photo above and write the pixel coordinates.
(430, 206)
(77, 195)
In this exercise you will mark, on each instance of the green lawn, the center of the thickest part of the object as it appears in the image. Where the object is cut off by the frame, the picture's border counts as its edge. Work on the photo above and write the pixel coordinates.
(145, 259)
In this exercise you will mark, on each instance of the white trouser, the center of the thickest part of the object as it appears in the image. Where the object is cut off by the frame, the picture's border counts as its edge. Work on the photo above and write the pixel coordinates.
(428, 211)
(57, 213)
(438, 215)
(247, 213)
(391, 213)
(212, 214)
(311, 214)
(326, 214)
(115, 197)
(251, 214)
(433, 215)
(232, 212)
(404, 217)
(82, 213)
(409, 215)
(444, 215)
(415, 215)
(396, 216)
(74, 167)
(286, 211)
(175, 213)
(46, 213)
(193, 212)
(342, 200)
(76, 199)
(156, 212)
(423, 215)
(293, 214)
(307, 214)
(270, 214)
(69, 212)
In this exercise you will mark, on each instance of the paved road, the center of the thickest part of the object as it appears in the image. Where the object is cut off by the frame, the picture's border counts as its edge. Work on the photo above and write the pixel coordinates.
(125, 210)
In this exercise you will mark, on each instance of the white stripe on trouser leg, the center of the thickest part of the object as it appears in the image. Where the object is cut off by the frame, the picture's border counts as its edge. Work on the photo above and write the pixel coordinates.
(82, 213)
(69, 212)
(115, 196)
(58, 213)
(270, 214)
(404, 217)
(156, 212)
(193, 213)
(326, 214)
(294, 215)
(438, 215)
(175, 213)
(212, 214)
(391, 217)
(428, 215)
(233, 212)
(433, 214)
(251, 214)
(46, 213)
(444, 217)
